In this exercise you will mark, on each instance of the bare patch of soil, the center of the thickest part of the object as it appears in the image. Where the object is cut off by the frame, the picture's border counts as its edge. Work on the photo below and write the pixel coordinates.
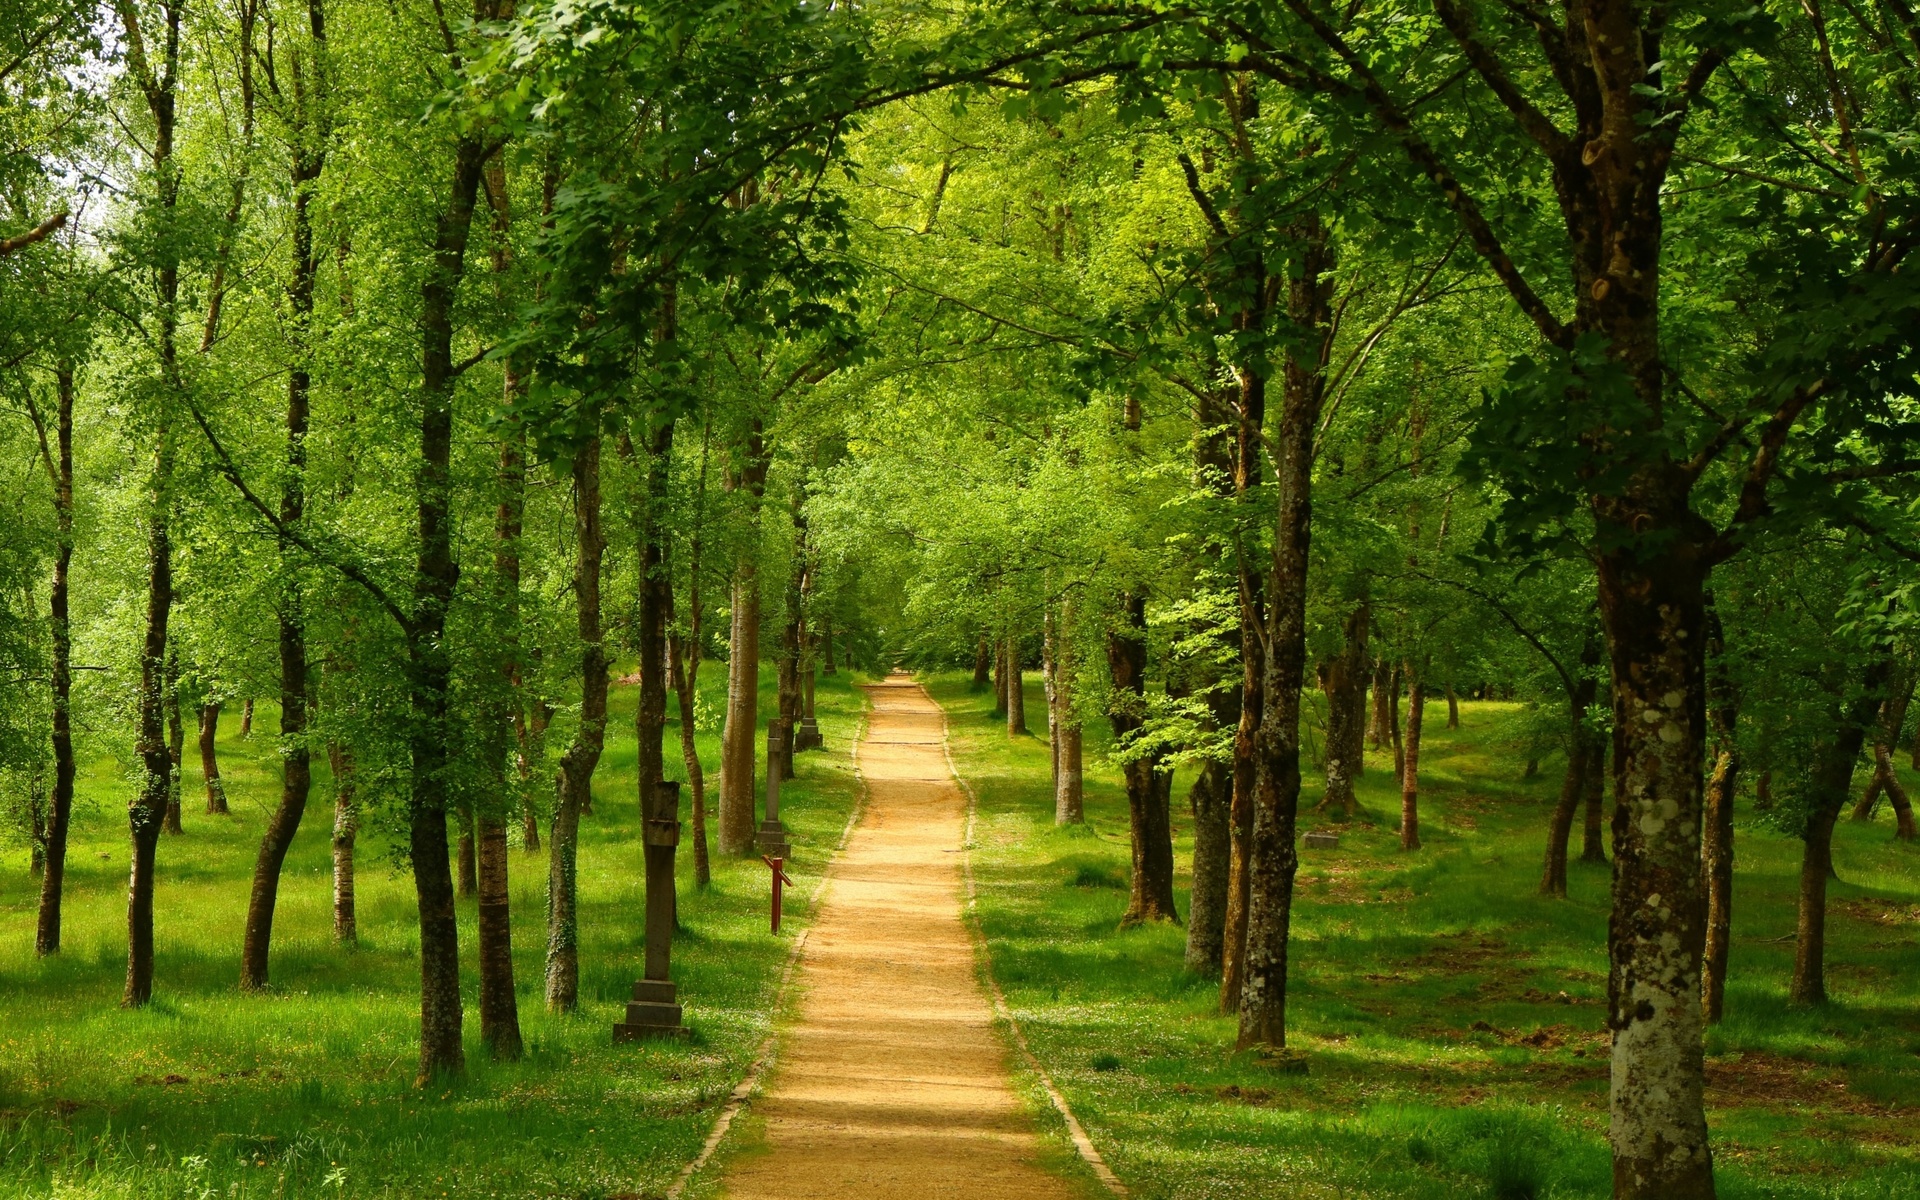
(1756, 1079)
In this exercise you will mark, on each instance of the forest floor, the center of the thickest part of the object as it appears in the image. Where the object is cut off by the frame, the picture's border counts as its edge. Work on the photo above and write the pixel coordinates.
(1450, 1017)
(308, 1090)
(891, 1081)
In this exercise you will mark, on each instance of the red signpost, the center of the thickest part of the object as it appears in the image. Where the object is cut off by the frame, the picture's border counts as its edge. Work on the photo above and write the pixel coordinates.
(779, 881)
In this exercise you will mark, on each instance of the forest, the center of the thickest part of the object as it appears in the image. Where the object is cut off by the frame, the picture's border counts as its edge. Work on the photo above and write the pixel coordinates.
(1366, 555)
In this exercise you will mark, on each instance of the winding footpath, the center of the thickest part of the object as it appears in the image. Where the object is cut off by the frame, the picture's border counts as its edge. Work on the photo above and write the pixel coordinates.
(892, 1082)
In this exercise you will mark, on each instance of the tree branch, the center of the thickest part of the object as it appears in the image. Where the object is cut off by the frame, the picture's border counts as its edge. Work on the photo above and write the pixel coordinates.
(44, 229)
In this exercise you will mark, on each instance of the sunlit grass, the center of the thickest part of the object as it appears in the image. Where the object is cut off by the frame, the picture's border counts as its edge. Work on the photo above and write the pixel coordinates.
(1427, 996)
(308, 1090)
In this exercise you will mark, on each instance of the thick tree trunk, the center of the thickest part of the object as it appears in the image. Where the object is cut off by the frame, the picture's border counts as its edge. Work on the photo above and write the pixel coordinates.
(583, 756)
(1410, 768)
(1211, 798)
(210, 759)
(1149, 821)
(739, 737)
(1347, 714)
(1273, 856)
(60, 810)
(1652, 603)
(346, 829)
(1016, 690)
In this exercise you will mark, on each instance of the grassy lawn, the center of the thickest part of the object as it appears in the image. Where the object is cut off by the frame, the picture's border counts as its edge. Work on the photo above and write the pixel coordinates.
(1451, 1018)
(308, 1090)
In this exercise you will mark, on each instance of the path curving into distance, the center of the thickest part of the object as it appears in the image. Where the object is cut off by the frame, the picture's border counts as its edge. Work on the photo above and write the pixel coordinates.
(892, 1082)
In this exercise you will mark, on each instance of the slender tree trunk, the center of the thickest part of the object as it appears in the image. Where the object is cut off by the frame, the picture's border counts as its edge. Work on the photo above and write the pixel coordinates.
(466, 875)
(59, 816)
(441, 1013)
(149, 807)
(210, 759)
(1069, 788)
(1274, 857)
(1211, 798)
(982, 664)
(1380, 730)
(826, 644)
(738, 739)
(684, 658)
(246, 719)
(1393, 712)
(493, 926)
(792, 635)
(656, 617)
(1047, 690)
(1410, 769)
(1453, 709)
(999, 678)
(1016, 690)
(1583, 767)
(176, 741)
(1716, 845)
(1829, 784)
(1249, 452)
(1150, 822)
(1593, 847)
(346, 829)
(530, 734)
(578, 763)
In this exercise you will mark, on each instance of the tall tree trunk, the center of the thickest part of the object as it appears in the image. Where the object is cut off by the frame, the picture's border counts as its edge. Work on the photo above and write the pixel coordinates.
(999, 678)
(435, 574)
(1149, 821)
(1593, 845)
(1380, 729)
(1829, 783)
(500, 710)
(149, 807)
(1016, 690)
(1248, 453)
(1393, 713)
(176, 741)
(1274, 858)
(826, 644)
(1453, 708)
(684, 657)
(1410, 768)
(1211, 798)
(1885, 780)
(309, 159)
(346, 829)
(210, 758)
(1716, 845)
(1069, 789)
(656, 616)
(1347, 714)
(792, 635)
(738, 739)
(531, 719)
(982, 664)
(1583, 766)
(60, 812)
(1047, 635)
(578, 763)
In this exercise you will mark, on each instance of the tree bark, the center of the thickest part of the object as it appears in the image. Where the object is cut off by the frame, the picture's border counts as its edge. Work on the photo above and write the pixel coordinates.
(684, 658)
(583, 755)
(1016, 690)
(1582, 767)
(1885, 780)
(1149, 821)
(176, 741)
(210, 759)
(149, 807)
(982, 664)
(1047, 635)
(1273, 857)
(999, 678)
(1211, 798)
(1410, 768)
(435, 574)
(60, 812)
(1248, 453)
(1347, 714)
(1716, 845)
(346, 829)
(1069, 788)
(738, 738)
(1829, 782)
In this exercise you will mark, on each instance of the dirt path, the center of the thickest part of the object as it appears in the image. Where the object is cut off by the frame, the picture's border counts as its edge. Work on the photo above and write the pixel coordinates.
(892, 1082)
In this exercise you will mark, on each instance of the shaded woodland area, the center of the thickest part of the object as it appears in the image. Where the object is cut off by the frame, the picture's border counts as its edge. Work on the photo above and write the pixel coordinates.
(411, 415)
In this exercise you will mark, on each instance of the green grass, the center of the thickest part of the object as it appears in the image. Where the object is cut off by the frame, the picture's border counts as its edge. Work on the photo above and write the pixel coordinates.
(1426, 996)
(308, 1091)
